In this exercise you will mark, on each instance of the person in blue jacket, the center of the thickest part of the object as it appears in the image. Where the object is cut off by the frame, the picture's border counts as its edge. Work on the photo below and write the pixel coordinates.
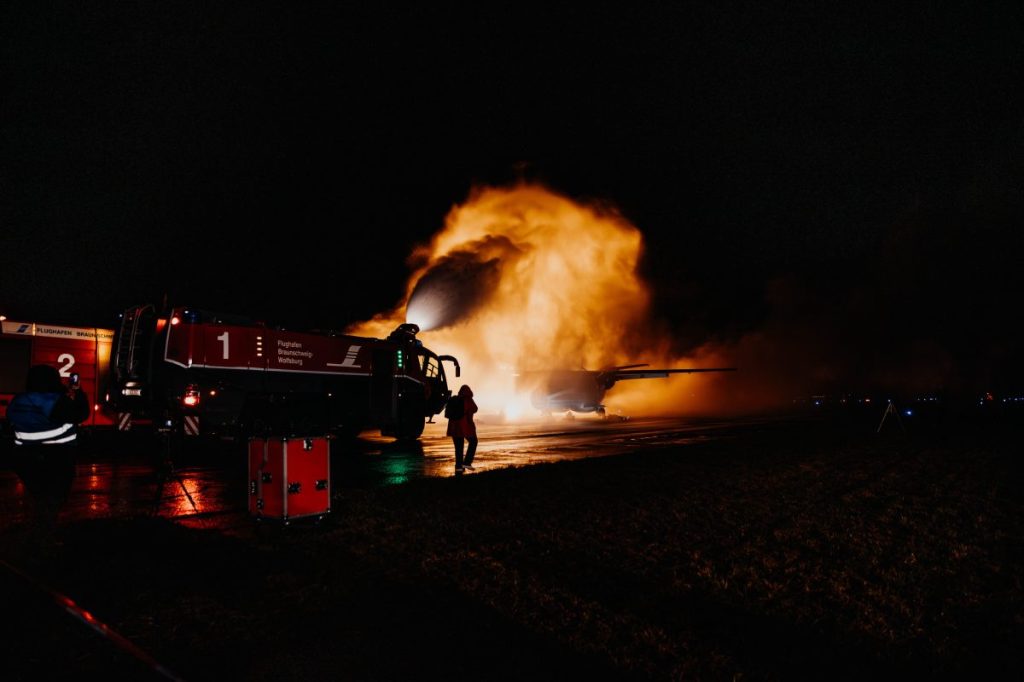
(45, 420)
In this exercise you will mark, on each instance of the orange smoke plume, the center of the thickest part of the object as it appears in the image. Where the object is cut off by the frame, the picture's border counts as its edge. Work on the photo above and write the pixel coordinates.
(523, 279)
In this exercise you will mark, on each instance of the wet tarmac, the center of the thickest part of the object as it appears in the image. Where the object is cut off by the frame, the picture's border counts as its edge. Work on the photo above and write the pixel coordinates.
(206, 485)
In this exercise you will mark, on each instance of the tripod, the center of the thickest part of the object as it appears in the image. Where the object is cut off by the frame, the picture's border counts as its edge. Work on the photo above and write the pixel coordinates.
(165, 470)
(891, 409)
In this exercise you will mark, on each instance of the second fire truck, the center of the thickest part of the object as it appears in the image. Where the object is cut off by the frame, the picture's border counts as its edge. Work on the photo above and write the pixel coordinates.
(212, 373)
(84, 351)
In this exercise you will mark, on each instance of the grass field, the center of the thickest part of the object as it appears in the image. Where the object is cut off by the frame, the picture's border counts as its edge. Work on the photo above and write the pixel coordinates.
(801, 551)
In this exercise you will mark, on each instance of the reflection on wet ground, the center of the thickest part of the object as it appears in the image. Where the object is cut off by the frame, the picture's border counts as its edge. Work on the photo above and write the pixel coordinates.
(206, 485)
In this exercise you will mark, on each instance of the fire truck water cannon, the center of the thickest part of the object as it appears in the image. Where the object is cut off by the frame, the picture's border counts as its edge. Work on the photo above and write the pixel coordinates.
(217, 374)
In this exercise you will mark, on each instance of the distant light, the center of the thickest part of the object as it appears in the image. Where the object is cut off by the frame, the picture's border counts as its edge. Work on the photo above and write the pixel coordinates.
(96, 407)
(908, 412)
(175, 320)
(3, 318)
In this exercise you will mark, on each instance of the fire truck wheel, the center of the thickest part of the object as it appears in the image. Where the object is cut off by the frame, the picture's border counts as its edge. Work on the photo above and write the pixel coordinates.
(410, 429)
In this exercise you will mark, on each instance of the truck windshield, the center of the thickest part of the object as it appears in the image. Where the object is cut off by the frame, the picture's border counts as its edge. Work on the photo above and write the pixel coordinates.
(431, 367)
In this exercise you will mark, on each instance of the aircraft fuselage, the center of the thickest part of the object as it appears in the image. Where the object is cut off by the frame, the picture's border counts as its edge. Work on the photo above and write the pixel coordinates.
(564, 390)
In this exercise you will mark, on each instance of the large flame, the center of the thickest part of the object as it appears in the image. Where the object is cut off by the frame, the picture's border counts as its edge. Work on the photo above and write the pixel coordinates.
(523, 279)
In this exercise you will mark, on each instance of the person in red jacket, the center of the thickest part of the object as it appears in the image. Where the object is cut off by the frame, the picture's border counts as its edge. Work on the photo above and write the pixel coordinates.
(461, 427)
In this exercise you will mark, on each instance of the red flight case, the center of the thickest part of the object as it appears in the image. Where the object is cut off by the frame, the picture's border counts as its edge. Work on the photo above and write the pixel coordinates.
(289, 478)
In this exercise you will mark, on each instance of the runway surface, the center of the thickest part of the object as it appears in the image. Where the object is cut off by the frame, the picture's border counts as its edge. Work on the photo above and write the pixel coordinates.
(202, 483)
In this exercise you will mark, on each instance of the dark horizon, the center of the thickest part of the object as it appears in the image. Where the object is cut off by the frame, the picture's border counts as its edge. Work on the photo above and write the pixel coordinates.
(848, 190)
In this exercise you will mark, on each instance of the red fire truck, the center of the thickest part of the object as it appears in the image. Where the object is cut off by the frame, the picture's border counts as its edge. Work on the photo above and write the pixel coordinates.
(202, 372)
(72, 350)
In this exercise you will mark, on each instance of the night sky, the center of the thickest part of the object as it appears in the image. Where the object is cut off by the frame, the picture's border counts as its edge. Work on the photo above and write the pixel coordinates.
(825, 179)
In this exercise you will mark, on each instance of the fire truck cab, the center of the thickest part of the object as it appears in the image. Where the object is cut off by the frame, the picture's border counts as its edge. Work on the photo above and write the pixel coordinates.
(218, 374)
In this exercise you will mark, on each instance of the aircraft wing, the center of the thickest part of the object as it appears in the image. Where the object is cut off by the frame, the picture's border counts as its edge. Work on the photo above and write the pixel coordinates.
(620, 374)
(658, 373)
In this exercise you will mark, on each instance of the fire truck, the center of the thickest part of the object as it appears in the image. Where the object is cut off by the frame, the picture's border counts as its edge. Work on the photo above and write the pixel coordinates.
(199, 372)
(72, 350)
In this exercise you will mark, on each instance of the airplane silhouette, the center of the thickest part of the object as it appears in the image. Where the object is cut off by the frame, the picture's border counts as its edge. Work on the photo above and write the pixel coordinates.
(566, 390)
